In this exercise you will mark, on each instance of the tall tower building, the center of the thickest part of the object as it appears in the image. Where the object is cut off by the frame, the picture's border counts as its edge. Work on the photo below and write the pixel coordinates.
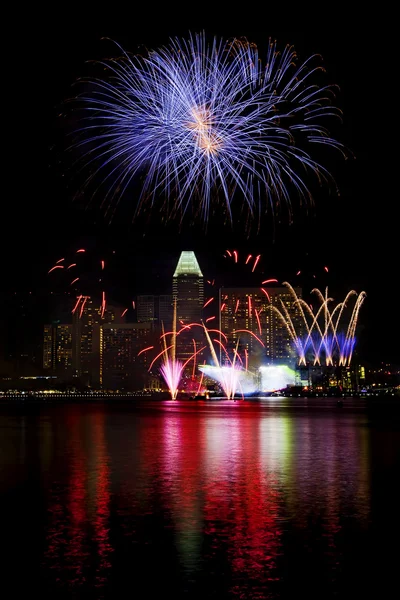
(188, 293)
(87, 320)
(280, 347)
(48, 350)
(64, 346)
(122, 365)
(165, 310)
(146, 308)
(156, 310)
(250, 309)
(58, 348)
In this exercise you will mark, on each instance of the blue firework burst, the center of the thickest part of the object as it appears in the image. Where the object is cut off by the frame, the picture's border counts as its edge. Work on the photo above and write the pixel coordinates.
(201, 122)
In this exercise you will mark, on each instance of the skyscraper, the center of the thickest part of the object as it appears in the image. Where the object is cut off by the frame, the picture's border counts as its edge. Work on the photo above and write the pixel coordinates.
(188, 293)
(64, 349)
(146, 308)
(58, 348)
(165, 310)
(250, 309)
(280, 348)
(86, 336)
(48, 351)
(122, 366)
(155, 310)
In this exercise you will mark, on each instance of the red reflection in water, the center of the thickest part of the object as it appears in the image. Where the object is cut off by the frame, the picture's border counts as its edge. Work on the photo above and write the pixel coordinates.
(220, 493)
(102, 497)
(223, 488)
(183, 483)
(78, 531)
(241, 494)
(67, 509)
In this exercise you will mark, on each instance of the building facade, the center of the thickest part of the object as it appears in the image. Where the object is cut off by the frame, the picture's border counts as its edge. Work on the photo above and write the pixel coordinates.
(244, 310)
(165, 311)
(58, 349)
(146, 308)
(48, 346)
(87, 320)
(188, 297)
(157, 310)
(122, 364)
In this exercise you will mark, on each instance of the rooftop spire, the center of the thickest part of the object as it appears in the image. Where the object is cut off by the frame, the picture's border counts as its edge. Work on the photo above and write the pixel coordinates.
(187, 265)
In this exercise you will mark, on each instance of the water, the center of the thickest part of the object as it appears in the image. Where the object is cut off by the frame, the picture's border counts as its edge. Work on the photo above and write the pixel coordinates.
(279, 498)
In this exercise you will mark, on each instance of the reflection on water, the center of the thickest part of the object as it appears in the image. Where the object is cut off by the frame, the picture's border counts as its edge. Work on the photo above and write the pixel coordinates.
(230, 500)
(77, 533)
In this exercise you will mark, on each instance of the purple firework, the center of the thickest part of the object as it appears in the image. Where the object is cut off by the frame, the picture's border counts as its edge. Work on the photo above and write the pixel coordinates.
(198, 122)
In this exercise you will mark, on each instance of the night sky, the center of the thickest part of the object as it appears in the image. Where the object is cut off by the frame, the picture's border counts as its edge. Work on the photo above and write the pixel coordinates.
(355, 234)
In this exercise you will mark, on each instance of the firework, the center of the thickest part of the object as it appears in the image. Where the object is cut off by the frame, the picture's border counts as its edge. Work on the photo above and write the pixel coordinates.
(75, 268)
(316, 333)
(171, 368)
(276, 377)
(232, 374)
(82, 273)
(172, 373)
(321, 332)
(201, 121)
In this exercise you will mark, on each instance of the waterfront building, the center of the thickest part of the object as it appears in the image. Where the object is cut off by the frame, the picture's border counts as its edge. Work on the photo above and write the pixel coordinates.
(48, 346)
(58, 349)
(165, 311)
(251, 309)
(188, 295)
(86, 337)
(146, 308)
(157, 310)
(122, 364)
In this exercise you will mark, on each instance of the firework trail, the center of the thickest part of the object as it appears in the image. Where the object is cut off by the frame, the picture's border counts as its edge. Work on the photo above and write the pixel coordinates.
(171, 368)
(322, 327)
(232, 376)
(251, 262)
(324, 333)
(70, 276)
(228, 376)
(200, 121)
(84, 274)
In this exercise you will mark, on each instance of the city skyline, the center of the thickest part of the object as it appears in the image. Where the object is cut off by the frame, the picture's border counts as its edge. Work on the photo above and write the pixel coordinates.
(199, 323)
(97, 345)
(100, 344)
(231, 274)
(353, 233)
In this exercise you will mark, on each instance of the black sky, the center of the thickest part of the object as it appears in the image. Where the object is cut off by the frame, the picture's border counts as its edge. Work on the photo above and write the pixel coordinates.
(355, 234)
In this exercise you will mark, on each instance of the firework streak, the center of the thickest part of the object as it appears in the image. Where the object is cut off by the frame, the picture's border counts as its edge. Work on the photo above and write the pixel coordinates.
(200, 120)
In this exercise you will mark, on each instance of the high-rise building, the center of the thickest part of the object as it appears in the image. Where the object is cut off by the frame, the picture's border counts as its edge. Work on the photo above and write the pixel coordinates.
(146, 308)
(87, 320)
(48, 352)
(155, 309)
(188, 288)
(188, 294)
(122, 366)
(250, 309)
(64, 346)
(58, 348)
(280, 347)
(165, 310)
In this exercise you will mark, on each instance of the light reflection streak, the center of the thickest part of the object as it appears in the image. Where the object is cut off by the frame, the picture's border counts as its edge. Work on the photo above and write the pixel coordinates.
(231, 481)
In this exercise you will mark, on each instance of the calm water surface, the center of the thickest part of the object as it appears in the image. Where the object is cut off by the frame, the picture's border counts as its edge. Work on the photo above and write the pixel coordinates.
(279, 498)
